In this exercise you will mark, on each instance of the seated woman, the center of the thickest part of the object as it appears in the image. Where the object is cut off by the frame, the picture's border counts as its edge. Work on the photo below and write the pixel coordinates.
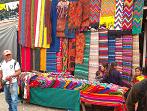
(103, 69)
(113, 75)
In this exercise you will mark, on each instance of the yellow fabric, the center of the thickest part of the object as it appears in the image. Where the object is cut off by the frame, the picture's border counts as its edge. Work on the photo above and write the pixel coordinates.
(41, 23)
(2, 6)
(43, 59)
(108, 21)
(139, 78)
(45, 44)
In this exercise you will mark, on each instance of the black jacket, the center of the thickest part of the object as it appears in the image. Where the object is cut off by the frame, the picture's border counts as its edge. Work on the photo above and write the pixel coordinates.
(138, 93)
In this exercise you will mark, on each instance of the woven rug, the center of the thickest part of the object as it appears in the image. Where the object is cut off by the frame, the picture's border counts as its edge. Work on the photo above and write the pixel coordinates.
(137, 16)
(127, 15)
(136, 55)
(81, 70)
(95, 6)
(107, 16)
(103, 47)
(93, 56)
(118, 15)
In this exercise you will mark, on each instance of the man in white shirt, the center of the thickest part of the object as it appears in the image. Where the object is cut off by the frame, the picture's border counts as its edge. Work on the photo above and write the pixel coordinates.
(9, 71)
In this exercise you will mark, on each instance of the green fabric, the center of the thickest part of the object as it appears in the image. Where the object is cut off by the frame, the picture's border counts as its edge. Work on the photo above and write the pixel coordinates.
(81, 70)
(58, 98)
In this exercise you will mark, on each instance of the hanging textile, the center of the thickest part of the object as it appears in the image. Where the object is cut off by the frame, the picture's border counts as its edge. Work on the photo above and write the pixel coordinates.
(19, 21)
(32, 24)
(103, 46)
(85, 14)
(28, 23)
(71, 54)
(68, 32)
(127, 15)
(127, 56)
(51, 61)
(136, 54)
(65, 53)
(55, 45)
(22, 23)
(48, 20)
(81, 70)
(37, 59)
(137, 16)
(25, 59)
(43, 59)
(93, 56)
(74, 15)
(107, 16)
(118, 15)
(62, 11)
(80, 45)
(95, 7)
(59, 58)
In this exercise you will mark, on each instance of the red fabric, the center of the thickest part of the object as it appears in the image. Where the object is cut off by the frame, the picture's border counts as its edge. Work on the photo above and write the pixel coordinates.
(25, 59)
(19, 20)
(28, 24)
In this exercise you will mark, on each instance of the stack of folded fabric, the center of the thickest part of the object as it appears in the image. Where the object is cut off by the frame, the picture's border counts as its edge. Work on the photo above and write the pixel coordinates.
(93, 59)
(103, 46)
(127, 56)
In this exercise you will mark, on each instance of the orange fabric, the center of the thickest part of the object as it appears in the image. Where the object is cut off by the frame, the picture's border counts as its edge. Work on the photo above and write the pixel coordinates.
(80, 45)
(43, 59)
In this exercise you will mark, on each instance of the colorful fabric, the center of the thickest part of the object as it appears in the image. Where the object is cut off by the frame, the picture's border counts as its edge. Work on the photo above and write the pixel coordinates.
(25, 59)
(43, 59)
(118, 15)
(80, 45)
(81, 70)
(65, 53)
(75, 15)
(71, 54)
(37, 59)
(107, 16)
(2, 6)
(127, 15)
(94, 53)
(19, 22)
(95, 6)
(137, 16)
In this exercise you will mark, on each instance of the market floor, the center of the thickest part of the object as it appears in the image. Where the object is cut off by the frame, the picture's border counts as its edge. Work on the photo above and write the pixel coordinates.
(24, 106)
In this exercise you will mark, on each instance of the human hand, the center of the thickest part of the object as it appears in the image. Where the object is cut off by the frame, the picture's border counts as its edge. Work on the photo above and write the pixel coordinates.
(8, 78)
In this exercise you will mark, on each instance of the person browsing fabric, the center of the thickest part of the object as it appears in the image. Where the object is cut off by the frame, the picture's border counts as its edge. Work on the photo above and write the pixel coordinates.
(113, 75)
(9, 71)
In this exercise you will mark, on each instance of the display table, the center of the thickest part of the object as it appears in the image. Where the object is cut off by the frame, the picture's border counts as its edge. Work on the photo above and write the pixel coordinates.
(57, 98)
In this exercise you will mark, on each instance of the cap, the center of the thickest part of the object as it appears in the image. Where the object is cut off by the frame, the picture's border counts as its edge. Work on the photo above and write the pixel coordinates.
(6, 52)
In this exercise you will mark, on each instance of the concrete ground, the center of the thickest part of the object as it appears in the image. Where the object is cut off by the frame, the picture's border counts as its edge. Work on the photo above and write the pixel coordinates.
(24, 106)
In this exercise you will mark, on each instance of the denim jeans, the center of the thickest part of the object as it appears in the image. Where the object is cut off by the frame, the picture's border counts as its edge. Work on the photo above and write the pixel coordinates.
(11, 96)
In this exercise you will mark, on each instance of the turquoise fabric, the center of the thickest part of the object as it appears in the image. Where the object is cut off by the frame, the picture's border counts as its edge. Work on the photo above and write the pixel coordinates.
(57, 98)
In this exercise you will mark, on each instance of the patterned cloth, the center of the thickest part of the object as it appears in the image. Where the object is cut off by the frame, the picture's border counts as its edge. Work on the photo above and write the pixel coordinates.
(80, 45)
(107, 16)
(95, 6)
(81, 70)
(137, 16)
(93, 57)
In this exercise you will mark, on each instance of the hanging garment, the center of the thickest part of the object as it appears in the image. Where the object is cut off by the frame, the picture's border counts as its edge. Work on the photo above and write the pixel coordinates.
(94, 54)
(43, 59)
(80, 45)
(137, 16)
(107, 16)
(95, 6)
(25, 59)
(71, 54)
(62, 11)
(32, 24)
(118, 15)
(81, 70)
(19, 22)
(127, 15)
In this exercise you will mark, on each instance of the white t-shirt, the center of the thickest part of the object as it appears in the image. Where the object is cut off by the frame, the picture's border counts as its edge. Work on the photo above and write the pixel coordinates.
(9, 69)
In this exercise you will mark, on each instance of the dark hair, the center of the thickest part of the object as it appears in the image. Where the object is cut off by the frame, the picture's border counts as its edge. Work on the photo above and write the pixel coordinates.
(105, 65)
(139, 68)
(111, 67)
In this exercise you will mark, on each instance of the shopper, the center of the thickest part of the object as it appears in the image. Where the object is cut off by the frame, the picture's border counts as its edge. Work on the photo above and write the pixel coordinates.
(138, 94)
(9, 71)
(113, 75)
(103, 69)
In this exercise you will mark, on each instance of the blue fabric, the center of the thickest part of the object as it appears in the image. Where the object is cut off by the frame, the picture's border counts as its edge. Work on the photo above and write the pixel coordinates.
(55, 40)
(22, 41)
(11, 96)
(69, 33)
